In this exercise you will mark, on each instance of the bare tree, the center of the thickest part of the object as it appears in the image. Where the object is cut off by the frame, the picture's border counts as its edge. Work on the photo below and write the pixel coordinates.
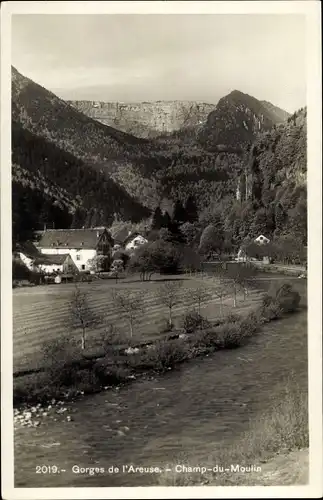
(221, 291)
(130, 304)
(82, 316)
(222, 286)
(169, 294)
(198, 296)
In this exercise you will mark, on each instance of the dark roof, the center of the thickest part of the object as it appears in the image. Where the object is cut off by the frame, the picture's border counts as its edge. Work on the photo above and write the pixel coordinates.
(121, 235)
(28, 249)
(51, 259)
(70, 238)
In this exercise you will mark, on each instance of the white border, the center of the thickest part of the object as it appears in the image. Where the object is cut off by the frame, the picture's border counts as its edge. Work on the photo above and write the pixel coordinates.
(311, 9)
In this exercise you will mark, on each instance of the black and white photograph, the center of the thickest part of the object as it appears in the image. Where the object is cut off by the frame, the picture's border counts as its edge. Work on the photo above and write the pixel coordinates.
(161, 249)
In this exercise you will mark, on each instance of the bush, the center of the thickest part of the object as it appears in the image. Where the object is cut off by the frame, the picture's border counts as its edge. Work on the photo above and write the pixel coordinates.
(287, 298)
(107, 372)
(60, 356)
(33, 389)
(230, 335)
(111, 337)
(250, 324)
(165, 355)
(205, 341)
(194, 321)
(284, 297)
(232, 318)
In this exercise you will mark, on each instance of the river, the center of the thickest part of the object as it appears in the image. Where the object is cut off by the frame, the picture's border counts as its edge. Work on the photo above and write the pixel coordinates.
(190, 411)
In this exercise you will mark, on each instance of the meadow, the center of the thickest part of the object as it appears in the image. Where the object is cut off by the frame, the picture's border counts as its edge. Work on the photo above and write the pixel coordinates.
(42, 313)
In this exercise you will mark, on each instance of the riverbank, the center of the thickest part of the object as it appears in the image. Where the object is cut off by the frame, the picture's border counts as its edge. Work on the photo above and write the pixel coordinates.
(265, 454)
(201, 406)
(69, 375)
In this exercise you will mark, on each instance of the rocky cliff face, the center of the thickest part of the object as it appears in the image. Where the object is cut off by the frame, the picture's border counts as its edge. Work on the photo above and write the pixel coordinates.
(146, 119)
(276, 159)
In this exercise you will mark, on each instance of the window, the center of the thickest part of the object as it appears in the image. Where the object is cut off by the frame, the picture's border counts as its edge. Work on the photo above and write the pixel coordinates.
(78, 257)
(83, 267)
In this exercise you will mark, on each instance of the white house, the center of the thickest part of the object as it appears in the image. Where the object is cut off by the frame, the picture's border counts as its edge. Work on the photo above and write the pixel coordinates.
(50, 264)
(134, 241)
(36, 261)
(262, 240)
(81, 244)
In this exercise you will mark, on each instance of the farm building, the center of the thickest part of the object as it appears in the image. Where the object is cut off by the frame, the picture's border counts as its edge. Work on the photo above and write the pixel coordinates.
(50, 264)
(36, 261)
(134, 241)
(81, 244)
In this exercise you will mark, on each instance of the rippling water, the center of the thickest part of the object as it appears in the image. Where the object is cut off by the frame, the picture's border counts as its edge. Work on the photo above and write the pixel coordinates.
(205, 403)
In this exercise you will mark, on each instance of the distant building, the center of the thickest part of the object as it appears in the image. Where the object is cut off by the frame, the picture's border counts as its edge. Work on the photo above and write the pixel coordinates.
(81, 244)
(262, 240)
(133, 241)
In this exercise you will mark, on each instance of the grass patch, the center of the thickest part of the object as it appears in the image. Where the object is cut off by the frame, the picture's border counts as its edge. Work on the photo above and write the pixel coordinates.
(281, 430)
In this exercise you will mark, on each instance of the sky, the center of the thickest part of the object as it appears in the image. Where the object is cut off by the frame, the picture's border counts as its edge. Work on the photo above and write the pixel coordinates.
(150, 57)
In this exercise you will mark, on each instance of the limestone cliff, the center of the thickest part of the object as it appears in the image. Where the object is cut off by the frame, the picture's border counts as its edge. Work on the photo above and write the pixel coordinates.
(146, 119)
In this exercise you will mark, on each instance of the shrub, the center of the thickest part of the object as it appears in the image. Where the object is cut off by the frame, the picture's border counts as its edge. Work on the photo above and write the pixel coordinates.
(250, 324)
(273, 311)
(108, 372)
(205, 341)
(287, 298)
(194, 321)
(232, 318)
(33, 389)
(165, 355)
(230, 335)
(60, 356)
(111, 337)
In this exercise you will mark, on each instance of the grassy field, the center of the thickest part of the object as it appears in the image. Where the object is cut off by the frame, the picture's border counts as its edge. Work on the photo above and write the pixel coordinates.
(42, 313)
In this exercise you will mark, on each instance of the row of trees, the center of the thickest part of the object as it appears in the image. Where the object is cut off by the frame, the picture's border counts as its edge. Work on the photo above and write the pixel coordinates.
(131, 304)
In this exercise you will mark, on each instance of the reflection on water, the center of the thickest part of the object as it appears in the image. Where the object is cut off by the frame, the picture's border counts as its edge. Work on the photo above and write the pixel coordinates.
(186, 412)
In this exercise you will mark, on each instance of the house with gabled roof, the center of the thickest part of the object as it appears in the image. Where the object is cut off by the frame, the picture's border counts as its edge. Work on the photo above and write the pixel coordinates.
(36, 261)
(81, 244)
(262, 240)
(134, 240)
(60, 263)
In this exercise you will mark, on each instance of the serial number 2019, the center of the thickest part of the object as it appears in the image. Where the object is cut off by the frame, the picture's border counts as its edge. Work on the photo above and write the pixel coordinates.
(46, 469)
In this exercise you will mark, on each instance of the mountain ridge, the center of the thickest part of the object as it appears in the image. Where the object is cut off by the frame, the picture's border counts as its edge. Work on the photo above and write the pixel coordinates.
(146, 119)
(237, 119)
(94, 172)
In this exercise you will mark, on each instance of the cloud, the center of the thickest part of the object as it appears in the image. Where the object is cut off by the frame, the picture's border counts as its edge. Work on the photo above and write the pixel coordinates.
(151, 57)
